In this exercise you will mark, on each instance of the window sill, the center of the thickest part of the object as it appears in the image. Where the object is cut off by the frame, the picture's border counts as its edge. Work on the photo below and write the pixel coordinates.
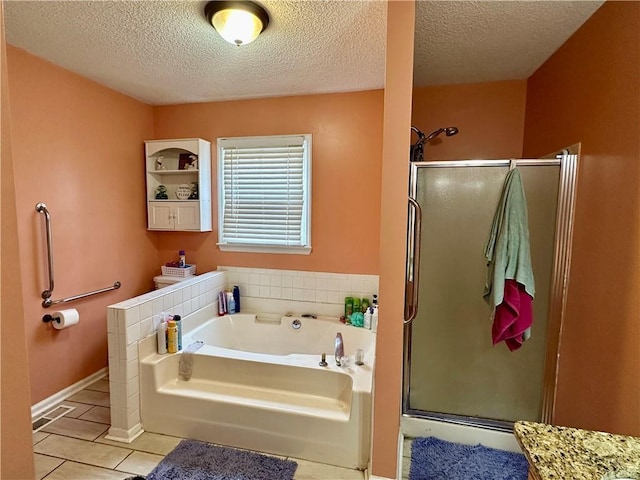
(238, 247)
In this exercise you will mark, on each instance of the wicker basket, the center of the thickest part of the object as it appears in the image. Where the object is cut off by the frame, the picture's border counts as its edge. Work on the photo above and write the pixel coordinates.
(186, 271)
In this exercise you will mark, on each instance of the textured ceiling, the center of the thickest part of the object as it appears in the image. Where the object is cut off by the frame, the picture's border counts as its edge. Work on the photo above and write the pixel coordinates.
(481, 41)
(165, 52)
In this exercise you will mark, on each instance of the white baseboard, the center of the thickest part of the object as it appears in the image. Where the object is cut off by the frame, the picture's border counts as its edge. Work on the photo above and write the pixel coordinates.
(123, 435)
(374, 477)
(41, 407)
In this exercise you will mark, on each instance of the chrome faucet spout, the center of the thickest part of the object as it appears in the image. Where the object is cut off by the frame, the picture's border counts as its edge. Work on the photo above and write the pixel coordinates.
(339, 349)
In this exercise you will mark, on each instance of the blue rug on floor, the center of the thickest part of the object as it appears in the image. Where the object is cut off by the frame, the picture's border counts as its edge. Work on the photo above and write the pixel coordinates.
(194, 460)
(435, 459)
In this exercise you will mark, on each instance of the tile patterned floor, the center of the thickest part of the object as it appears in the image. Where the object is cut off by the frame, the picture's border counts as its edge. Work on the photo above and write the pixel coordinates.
(74, 448)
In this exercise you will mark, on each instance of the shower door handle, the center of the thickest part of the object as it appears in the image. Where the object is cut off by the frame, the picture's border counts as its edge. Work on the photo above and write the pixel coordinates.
(413, 263)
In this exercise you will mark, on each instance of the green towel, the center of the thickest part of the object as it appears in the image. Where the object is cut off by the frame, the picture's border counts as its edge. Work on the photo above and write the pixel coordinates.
(508, 251)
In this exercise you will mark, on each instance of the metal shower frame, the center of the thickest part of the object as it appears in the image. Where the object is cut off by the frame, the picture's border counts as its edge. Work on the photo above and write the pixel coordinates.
(568, 163)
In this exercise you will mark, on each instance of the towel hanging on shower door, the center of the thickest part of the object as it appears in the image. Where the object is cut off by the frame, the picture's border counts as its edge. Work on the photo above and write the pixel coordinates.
(510, 286)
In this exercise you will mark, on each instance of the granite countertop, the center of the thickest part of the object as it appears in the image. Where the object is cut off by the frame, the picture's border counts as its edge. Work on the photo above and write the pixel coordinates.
(570, 453)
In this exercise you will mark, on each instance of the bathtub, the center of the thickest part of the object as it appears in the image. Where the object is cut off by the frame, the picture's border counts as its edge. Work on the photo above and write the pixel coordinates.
(257, 384)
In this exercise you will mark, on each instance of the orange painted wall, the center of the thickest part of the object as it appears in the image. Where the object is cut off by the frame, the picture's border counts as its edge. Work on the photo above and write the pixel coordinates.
(16, 453)
(393, 221)
(346, 175)
(589, 92)
(490, 117)
(77, 146)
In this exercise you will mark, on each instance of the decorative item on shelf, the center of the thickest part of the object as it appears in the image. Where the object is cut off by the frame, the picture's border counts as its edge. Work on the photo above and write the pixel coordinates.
(159, 163)
(161, 193)
(188, 161)
(183, 192)
(194, 191)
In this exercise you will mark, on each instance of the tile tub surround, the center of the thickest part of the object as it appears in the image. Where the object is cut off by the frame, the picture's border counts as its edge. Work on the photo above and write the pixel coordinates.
(287, 288)
(132, 320)
(562, 452)
(196, 300)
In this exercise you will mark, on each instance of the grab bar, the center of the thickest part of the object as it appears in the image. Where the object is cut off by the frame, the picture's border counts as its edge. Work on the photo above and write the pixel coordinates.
(48, 302)
(46, 294)
(413, 265)
(42, 208)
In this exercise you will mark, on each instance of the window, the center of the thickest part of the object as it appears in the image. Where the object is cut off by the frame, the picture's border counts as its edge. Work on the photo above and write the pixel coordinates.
(264, 194)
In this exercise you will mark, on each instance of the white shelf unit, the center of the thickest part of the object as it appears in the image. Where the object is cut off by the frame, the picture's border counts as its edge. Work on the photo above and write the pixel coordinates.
(173, 214)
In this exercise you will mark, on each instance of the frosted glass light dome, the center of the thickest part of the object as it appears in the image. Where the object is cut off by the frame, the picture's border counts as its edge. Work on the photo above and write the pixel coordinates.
(238, 22)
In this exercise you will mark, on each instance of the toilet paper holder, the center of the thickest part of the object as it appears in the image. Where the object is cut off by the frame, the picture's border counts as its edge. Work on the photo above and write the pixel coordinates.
(46, 294)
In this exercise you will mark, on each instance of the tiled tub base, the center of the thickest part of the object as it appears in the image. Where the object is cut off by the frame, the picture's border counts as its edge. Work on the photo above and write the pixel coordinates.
(132, 320)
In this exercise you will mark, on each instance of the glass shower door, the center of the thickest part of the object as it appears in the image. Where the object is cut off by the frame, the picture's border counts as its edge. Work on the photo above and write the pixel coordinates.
(454, 369)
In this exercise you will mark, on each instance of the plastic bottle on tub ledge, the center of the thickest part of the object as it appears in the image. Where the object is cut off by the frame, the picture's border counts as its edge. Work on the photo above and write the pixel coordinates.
(368, 318)
(231, 303)
(178, 320)
(172, 337)
(162, 337)
(374, 315)
(236, 297)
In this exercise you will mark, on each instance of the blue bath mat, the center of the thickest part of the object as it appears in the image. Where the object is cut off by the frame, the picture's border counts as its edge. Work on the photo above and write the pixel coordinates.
(435, 459)
(194, 460)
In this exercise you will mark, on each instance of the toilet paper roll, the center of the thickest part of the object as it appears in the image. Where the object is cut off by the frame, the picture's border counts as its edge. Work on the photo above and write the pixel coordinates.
(65, 318)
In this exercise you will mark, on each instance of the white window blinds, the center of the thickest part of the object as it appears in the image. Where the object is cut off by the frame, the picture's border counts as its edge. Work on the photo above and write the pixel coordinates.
(264, 193)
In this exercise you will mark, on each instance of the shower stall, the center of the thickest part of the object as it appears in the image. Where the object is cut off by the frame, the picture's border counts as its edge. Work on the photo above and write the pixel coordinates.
(453, 374)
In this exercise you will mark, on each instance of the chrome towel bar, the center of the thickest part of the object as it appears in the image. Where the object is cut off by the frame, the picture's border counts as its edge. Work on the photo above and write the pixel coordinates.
(46, 294)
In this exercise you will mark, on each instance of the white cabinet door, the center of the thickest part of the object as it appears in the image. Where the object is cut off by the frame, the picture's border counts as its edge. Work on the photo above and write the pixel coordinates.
(161, 216)
(171, 214)
(187, 216)
(174, 215)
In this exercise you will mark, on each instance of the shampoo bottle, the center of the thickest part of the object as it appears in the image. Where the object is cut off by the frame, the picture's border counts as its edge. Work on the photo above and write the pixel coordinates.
(374, 318)
(178, 320)
(236, 297)
(368, 317)
(183, 259)
(162, 337)
(356, 305)
(364, 305)
(231, 303)
(172, 337)
(348, 307)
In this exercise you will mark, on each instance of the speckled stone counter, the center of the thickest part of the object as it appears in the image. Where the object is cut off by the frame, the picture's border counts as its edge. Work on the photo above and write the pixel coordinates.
(573, 454)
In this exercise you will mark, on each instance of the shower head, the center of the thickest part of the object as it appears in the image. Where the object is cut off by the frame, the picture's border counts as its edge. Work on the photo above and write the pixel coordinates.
(448, 131)
(417, 148)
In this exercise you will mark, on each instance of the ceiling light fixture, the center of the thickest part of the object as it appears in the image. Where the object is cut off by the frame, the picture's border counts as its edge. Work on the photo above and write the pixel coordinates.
(238, 22)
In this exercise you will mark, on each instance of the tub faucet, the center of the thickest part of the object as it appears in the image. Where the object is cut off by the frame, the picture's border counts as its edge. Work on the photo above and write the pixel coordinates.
(339, 349)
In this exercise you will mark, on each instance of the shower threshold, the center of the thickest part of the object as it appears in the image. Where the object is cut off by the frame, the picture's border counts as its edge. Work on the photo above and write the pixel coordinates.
(466, 430)
(487, 423)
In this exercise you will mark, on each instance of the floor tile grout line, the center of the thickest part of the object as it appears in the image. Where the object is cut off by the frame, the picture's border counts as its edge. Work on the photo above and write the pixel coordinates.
(41, 439)
(92, 421)
(80, 418)
(64, 460)
(123, 460)
(77, 438)
(82, 463)
(82, 440)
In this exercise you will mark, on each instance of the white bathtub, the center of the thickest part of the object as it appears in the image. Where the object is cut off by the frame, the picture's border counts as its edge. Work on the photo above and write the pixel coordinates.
(257, 384)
